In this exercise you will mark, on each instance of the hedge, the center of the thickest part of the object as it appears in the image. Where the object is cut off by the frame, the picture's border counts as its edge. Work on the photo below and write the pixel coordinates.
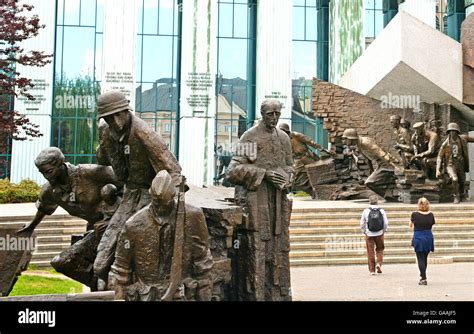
(24, 192)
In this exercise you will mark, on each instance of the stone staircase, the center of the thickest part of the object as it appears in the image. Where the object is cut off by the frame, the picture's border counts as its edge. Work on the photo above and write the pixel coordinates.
(331, 236)
(319, 235)
(53, 235)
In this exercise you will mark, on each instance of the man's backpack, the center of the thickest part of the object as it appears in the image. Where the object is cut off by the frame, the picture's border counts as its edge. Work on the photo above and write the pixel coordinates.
(375, 221)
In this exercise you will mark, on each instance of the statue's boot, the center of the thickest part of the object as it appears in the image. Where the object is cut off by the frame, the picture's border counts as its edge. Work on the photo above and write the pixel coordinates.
(456, 199)
(456, 194)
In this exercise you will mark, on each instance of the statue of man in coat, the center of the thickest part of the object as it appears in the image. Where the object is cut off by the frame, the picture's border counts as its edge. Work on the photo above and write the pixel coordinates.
(262, 172)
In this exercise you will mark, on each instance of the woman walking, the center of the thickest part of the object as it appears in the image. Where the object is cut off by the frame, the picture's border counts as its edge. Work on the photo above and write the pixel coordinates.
(423, 242)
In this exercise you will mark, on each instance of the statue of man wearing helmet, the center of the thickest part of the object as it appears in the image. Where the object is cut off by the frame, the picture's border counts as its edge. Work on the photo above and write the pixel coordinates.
(402, 138)
(386, 163)
(136, 154)
(453, 160)
(426, 144)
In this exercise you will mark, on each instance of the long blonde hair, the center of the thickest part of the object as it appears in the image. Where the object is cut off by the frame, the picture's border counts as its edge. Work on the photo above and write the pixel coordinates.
(423, 205)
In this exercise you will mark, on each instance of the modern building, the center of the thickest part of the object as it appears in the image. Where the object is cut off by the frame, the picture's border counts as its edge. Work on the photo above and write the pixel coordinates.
(196, 70)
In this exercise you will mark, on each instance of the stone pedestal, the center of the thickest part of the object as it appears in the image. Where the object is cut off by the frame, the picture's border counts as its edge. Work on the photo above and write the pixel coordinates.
(322, 172)
(222, 216)
(412, 184)
(15, 255)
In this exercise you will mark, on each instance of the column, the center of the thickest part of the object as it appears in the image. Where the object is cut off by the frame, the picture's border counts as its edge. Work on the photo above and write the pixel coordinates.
(252, 63)
(323, 39)
(274, 41)
(118, 53)
(198, 101)
(346, 36)
(38, 111)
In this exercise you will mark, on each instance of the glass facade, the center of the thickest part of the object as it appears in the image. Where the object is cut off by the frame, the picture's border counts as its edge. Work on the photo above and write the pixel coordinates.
(441, 18)
(234, 83)
(156, 93)
(77, 63)
(373, 23)
(304, 62)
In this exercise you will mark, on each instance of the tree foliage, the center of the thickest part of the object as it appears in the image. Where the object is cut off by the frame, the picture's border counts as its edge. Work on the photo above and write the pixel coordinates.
(16, 26)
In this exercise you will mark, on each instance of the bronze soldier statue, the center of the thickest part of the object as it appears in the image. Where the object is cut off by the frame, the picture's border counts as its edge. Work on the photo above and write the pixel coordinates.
(263, 181)
(77, 189)
(163, 250)
(386, 163)
(426, 144)
(453, 159)
(435, 126)
(302, 156)
(404, 123)
(402, 137)
(136, 153)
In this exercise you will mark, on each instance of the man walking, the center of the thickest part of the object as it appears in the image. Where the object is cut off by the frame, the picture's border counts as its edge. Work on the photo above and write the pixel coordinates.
(374, 224)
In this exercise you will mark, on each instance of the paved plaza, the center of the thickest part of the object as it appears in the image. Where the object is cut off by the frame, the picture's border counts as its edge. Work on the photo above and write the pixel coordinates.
(398, 282)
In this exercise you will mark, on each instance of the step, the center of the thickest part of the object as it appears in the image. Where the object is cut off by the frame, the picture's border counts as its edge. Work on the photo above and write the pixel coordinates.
(388, 236)
(65, 231)
(390, 215)
(44, 256)
(30, 217)
(48, 239)
(388, 208)
(388, 243)
(363, 260)
(41, 263)
(356, 229)
(397, 221)
(360, 249)
(52, 247)
(48, 224)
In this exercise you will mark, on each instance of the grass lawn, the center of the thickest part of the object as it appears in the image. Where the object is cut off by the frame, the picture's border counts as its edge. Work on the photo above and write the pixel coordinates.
(300, 194)
(39, 285)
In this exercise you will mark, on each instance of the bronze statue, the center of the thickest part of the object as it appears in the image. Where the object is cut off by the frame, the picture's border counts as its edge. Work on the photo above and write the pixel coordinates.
(163, 250)
(78, 190)
(402, 137)
(263, 181)
(386, 163)
(435, 126)
(453, 159)
(302, 156)
(404, 123)
(426, 144)
(136, 153)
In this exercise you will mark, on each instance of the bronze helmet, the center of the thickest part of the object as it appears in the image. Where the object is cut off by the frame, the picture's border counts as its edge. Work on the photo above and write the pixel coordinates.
(111, 102)
(453, 127)
(285, 127)
(350, 134)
